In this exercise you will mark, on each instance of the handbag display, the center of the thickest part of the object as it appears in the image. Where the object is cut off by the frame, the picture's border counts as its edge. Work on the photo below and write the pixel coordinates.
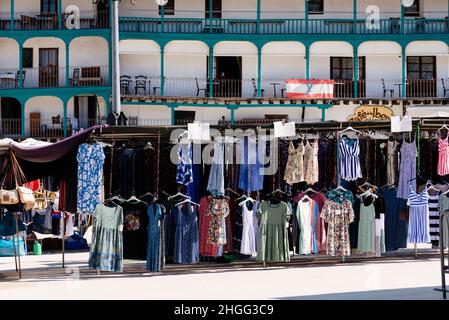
(26, 195)
(8, 197)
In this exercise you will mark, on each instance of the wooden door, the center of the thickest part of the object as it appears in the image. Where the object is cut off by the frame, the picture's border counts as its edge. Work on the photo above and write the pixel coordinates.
(48, 67)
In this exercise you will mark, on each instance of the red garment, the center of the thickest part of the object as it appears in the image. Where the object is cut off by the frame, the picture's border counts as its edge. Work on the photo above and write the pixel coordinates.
(33, 185)
(204, 220)
(320, 227)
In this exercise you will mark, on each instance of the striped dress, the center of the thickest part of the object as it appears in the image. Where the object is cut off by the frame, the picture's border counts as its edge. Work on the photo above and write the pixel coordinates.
(418, 225)
(349, 159)
(443, 156)
(434, 219)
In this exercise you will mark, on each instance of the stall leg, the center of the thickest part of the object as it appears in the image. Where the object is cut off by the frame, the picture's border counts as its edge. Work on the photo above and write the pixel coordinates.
(63, 240)
(15, 253)
(416, 251)
(18, 245)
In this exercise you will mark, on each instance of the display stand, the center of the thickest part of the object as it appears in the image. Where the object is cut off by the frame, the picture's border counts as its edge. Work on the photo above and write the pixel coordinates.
(15, 253)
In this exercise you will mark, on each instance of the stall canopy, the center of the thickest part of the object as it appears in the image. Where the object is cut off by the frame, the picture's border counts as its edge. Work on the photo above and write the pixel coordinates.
(428, 111)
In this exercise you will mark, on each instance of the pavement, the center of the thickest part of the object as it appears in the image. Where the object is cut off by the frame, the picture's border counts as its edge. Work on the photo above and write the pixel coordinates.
(391, 279)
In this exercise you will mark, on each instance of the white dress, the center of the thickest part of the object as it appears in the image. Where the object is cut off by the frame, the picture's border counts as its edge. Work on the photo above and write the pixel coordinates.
(248, 245)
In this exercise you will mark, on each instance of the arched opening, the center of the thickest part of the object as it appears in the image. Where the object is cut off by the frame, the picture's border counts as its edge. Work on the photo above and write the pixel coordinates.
(11, 115)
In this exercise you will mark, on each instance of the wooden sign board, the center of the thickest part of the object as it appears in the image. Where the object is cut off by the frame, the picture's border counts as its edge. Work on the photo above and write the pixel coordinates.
(371, 113)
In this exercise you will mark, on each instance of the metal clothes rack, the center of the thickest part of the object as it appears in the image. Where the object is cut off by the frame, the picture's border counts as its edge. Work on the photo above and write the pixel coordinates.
(444, 268)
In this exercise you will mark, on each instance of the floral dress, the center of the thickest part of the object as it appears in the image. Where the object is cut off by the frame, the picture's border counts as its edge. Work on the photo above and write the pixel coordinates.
(311, 163)
(338, 217)
(90, 159)
(294, 169)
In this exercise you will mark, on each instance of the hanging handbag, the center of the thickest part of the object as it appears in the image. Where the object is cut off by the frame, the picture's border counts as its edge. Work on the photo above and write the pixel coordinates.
(26, 195)
(8, 197)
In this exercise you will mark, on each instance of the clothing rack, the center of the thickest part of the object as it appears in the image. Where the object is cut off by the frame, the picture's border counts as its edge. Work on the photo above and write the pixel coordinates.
(444, 267)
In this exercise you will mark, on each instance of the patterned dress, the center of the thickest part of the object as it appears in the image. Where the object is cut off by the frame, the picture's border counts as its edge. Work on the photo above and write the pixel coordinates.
(418, 225)
(294, 169)
(184, 169)
(349, 159)
(443, 156)
(311, 174)
(338, 217)
(106, 250)
(90, 159)
(186, 236)
(392, 162)
(153, 243)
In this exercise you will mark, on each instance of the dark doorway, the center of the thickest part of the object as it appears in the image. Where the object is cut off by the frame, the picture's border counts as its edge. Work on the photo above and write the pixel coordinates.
(86, 112)
(216, 9)
(184, 117)
(342, 71)
(102, 18)
(11, 116)
(49, 14)
(228, 77)
(48, 67)
(421, 77)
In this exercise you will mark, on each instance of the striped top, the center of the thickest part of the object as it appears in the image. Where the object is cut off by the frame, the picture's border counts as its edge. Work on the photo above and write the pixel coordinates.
(418, 199)
(350, 162)
(443, 156)
(434, 218)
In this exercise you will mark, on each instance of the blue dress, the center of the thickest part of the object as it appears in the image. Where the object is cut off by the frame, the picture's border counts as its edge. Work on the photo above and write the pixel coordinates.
(186, 236)
(184, 174)
(251, 177)
(215, 184)
(154, 231)
(418, 227)
(90, 159)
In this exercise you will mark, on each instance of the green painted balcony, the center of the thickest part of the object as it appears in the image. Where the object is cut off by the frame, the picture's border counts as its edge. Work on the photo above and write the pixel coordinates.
(417, 25)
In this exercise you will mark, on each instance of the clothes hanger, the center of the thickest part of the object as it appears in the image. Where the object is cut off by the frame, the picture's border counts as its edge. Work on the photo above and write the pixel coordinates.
(368, 193)
(232, 191)
(246, 200)
(351, 129)
(133, 198)
(310, 190)
(187, 201)
(179, 194)
(341, 188)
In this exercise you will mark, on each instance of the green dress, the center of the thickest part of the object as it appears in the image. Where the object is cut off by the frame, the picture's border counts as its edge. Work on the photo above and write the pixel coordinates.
(273, 236)
(367, 236)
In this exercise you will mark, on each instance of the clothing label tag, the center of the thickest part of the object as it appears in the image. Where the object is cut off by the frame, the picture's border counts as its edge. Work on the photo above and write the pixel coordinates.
(282, 130)
(198, 131)
(398, 125)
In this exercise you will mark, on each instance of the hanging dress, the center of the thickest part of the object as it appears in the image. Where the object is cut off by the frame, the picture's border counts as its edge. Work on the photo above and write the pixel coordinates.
(106, 250)
(392, 162)
(186, 236)
(248, 244)
(434, 219)
(349, 159)
(418, 225)
(311, 174)
(407, 169)
(294, 168)
(184, 169)
(153, 242)
(307, 214)
(366, 242)
(443, 156)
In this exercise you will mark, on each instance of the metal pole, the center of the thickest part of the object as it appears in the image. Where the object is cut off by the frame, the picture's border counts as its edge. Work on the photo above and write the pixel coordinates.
(211, 5)
(116, 104)
(258, 16)
(404, 72)
(18, 244)
(15, 253)
(12, 14)
(354, 27)
(356, 72)
(259, 72)
(306, 10)
(211, 71)
(63, 239)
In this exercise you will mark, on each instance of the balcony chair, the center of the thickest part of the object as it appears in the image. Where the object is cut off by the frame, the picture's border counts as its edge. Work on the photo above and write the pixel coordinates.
(420, 24)
(18, 76)
(262, 91)
(198, 89)
(124, 84)
(74, 81)
(141, 84)
(444, 88)
(156, 88)
(387, 90)
(28, 23)
(283, 92)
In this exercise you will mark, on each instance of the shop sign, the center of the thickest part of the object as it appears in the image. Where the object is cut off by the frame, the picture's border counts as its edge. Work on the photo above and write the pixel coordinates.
(371, 113)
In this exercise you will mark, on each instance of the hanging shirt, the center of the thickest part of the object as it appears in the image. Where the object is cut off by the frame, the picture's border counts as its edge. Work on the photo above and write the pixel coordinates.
(135, 234)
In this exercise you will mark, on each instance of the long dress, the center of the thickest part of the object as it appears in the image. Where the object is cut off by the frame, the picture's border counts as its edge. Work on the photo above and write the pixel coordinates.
(307, 214)
(311, 173)
(294, 168)
(248, 245)
(153, 243)
(186, 236)
(106, 250)
(407, 169)
(273, 236)
(443, 156)
(367, 229)
(392, 162)
(338, 217)
(418, 225)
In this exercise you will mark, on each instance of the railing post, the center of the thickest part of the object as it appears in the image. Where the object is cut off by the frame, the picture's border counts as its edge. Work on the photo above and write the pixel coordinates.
(172, 115)
(59, 14)
(258, 17)
(323, 114)
(259, 72)
(12, 14)
(404, 72)
(211, 71)
(20, 65)
(306, 10)
(162, 18)
(354, 27)
(64, 120)
(110, 62)
(232, 116)
(356, 71)
(67, 64)
(307, 61)
(163, 70)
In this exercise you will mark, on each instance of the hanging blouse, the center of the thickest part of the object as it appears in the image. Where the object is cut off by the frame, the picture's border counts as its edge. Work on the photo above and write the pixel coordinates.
(90, 159)
(338, 217)
(184, 171)
(311, 162)
(443, 156)
(294, 169)
(349, 159)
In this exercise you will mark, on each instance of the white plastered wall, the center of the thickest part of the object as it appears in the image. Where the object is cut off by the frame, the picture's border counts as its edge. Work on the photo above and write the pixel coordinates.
(11, 59)
(89, 52)
(148, 115)
(48, 107)
(32, 75)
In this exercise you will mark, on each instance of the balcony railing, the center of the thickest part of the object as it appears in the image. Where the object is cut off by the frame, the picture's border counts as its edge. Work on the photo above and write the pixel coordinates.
(283, 26)
(275, 88)
(49, 21)
(53, 77)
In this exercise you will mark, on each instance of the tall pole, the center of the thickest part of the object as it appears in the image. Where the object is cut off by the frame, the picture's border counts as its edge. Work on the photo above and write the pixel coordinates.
(116, 105)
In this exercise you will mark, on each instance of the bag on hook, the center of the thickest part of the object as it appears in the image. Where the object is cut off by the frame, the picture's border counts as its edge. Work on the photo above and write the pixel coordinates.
(26, 195)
